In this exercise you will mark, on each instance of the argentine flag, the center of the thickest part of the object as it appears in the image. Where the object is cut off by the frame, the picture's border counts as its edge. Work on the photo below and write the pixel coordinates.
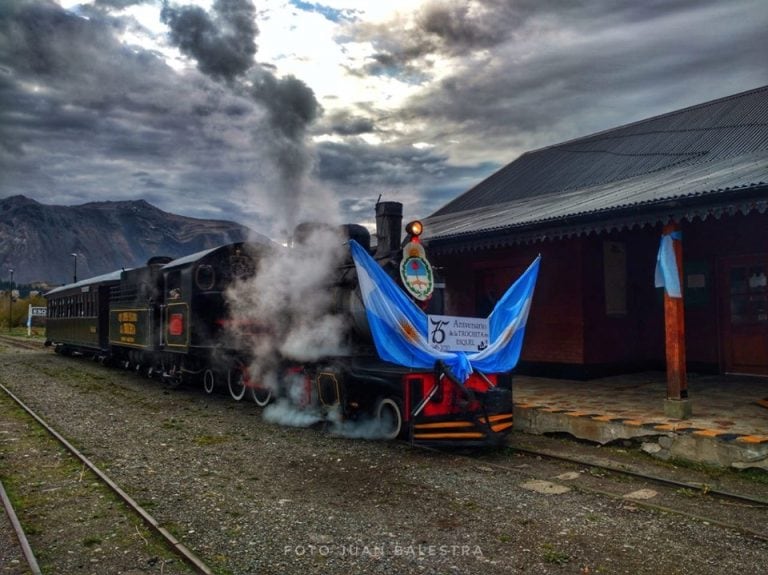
(399, 327)
(667, 274)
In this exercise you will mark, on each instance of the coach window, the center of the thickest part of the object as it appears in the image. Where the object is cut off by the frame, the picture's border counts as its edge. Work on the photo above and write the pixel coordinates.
(205, 277)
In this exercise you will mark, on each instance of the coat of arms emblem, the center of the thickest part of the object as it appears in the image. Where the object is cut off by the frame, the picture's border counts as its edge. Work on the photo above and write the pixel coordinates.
(416, 271)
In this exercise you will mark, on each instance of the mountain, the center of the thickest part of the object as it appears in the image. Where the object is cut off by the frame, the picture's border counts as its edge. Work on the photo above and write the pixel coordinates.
(37, 240)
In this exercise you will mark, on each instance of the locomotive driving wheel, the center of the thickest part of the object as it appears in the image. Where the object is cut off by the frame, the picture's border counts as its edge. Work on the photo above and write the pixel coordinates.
(261, 395)
(237, 381)
(209, 381)
(389, 415)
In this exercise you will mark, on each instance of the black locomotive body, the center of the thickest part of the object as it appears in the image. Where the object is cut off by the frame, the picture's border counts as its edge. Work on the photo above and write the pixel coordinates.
(172, 320)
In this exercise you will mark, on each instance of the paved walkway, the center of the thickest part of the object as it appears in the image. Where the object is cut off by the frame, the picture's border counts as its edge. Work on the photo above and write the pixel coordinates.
(726, 409)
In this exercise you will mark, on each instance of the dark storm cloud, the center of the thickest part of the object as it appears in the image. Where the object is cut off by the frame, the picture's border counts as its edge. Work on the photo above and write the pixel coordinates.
(418, 178)
(223, 44)
(346, 124)
(460, 27)
(119, 4)
(80, 112)
(528, 74)
(85, 116)
(439, 28)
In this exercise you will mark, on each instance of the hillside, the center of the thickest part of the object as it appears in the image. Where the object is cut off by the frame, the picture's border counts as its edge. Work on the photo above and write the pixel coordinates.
(37, 240)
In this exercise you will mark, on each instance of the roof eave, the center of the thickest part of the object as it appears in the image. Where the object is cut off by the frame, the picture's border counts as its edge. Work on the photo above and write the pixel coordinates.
(730, 201)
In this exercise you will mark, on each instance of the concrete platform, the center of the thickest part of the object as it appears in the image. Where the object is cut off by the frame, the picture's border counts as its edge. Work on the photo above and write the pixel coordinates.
(728, 425)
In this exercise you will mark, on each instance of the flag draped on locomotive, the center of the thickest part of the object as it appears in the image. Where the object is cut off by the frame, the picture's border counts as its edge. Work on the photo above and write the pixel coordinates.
(186, 320)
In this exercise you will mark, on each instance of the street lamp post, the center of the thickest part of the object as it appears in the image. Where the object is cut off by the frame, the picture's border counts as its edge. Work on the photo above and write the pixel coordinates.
(74, 274)
(10, 303)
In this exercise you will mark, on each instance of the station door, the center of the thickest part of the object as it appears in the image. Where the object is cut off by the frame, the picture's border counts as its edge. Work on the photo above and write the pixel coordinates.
(744, 314)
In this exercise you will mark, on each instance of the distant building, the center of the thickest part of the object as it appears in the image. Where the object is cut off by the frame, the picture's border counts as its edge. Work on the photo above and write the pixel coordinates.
(594, 209)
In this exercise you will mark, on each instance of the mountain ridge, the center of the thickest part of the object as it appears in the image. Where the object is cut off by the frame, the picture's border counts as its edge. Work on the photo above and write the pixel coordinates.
(37, 240)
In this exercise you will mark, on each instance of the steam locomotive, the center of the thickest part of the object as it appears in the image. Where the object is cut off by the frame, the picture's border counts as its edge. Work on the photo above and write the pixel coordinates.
(173, 320)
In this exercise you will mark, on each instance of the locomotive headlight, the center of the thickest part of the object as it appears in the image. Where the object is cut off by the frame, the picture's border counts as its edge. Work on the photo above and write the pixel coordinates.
(414, 228)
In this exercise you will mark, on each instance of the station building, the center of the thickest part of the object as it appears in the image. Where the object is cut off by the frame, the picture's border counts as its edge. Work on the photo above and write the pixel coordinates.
(594, 208)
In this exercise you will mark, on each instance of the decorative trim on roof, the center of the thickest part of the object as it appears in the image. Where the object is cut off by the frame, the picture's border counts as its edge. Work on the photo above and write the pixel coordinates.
(507, 237)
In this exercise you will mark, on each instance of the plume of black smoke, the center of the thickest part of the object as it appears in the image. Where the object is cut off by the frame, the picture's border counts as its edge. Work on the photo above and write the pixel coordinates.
(223, 44)
(291, 107)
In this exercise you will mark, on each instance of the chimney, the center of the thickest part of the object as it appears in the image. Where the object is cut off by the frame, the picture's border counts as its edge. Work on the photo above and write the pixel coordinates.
(389, 223)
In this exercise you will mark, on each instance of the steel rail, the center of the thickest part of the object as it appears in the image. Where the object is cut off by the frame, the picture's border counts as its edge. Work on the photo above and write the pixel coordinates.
(185, 553)
(25, 344)
(26, 550)
(646, 476)
(762, 536)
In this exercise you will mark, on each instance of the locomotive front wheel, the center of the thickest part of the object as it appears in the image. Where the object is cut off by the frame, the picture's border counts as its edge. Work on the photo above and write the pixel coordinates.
(261, 395)
(209, 381)
(236, 379)
(389, 416)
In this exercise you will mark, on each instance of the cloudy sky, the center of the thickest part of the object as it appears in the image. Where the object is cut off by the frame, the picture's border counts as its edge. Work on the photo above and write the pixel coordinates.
(271, 111)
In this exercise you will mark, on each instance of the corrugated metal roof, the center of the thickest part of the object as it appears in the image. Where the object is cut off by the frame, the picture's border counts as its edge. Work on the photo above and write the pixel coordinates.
(691, 153)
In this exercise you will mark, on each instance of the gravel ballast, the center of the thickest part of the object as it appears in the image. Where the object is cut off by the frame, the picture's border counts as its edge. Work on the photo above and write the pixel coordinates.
(249, 496)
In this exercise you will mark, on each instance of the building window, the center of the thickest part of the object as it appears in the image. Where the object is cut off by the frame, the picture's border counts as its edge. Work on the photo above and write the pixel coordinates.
(615, 277)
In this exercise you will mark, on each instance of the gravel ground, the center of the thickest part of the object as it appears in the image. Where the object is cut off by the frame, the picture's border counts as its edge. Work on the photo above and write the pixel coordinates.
(252, 497)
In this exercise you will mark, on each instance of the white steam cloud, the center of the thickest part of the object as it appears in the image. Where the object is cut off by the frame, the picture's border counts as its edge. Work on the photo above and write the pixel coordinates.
(287, 310)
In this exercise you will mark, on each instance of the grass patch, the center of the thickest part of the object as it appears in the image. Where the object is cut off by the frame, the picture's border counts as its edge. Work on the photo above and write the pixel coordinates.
(171, 423)
(709, 470)
(755, 475)
(91, 541)
(550, 554)
(688, 492)
(203, 440)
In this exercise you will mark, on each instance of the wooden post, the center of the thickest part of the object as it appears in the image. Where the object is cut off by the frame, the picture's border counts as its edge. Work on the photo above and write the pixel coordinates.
(677, 404)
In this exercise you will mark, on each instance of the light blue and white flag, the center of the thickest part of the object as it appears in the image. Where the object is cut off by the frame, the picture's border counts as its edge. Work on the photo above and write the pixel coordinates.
(667, 273)
(399, 327)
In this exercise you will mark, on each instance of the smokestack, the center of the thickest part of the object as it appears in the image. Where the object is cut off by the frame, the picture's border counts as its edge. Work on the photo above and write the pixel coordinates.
(389, 223)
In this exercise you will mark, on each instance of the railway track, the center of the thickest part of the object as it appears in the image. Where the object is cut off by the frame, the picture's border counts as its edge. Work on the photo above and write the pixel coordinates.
(696, 501)
(170, 541)
(21, 343)
(21, 537)
(702, 487)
